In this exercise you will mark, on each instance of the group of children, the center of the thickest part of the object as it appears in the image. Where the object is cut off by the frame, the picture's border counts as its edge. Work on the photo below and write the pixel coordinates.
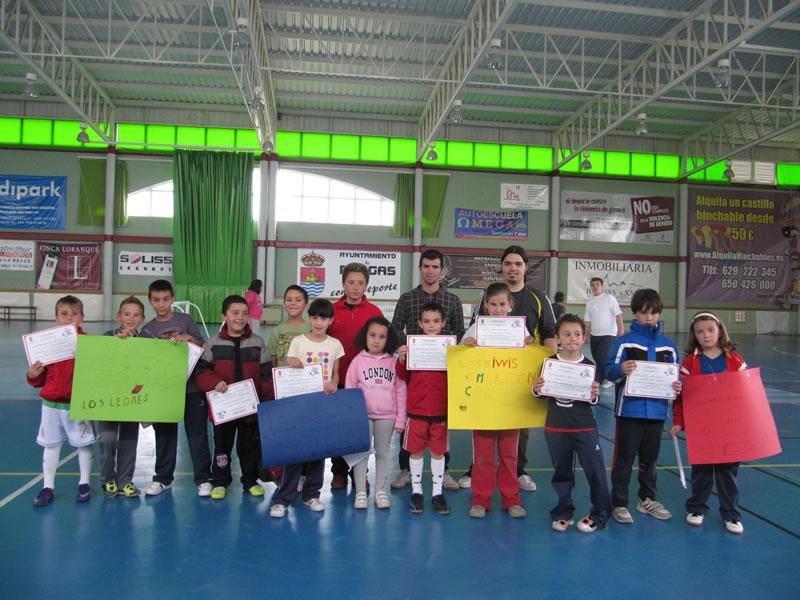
(397, 399)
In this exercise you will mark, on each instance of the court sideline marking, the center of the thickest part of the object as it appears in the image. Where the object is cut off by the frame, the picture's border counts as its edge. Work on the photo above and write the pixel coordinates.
(34, 481)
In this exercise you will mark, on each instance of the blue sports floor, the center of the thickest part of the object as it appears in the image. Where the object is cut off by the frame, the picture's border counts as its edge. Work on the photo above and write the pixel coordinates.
(180, 546)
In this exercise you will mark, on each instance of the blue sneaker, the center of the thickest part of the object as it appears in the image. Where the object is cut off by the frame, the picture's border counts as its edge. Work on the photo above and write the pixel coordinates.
(44, 497)
(84, 493)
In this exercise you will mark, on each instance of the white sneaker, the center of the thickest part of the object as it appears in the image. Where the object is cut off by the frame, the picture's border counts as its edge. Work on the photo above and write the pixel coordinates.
(526, 483)
(314, 504)
(382, 500)
(203, 490)
(586, 525)
(695, 519)
(361, 500)
(156, 488)
(654, 508)
(402, 480)
(300, 483)
(734, 527)
(277, 510)
(449, 483)
(465, 482)
(606, 384)
(621, 514)
(561, 525)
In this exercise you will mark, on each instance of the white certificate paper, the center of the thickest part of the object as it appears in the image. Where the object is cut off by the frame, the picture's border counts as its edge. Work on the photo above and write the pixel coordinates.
(289, 381)
(195, 352)
(572, 381)
(241, 400)
(51, 345)
(428, 352)
(652, 380)
(500, 332)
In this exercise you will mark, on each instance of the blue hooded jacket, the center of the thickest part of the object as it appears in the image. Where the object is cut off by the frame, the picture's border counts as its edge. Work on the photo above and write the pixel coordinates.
(642, 342)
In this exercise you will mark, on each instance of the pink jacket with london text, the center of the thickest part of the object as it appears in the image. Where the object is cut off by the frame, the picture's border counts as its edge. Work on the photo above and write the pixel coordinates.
(384, 390)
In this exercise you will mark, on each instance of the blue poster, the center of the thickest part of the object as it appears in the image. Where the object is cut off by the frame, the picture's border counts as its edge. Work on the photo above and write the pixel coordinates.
(496, 224)
(33, 202)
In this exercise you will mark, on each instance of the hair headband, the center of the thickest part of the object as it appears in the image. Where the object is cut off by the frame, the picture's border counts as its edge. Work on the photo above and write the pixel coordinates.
(705, 315)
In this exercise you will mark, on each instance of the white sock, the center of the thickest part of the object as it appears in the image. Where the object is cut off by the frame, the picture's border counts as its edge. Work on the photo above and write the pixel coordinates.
(50, 464)
(85, 463)
(416, 475)
(437, 469)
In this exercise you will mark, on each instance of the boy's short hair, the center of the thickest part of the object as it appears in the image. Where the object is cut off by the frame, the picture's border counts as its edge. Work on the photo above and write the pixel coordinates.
(646, 300)
(432, 254)
(432, 307)
(131, 300)
(570, 318)
(296, 288)
(392, 339)
(355, 267)
(497, 288)
(559, 296)
(599, 279)
(232, 299)
(69, 300)
(321, 308)
(160, 285)
(515, 250)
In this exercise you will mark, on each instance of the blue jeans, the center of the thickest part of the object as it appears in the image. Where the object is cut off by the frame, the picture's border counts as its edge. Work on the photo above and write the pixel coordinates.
(601, 348)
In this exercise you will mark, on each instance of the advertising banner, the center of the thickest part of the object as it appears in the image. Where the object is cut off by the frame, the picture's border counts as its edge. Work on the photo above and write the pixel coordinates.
(16, 255)
(494, 224)
(319, 272)
(467, 271)
(524, 197)
(68, 266)
(33, 202)
(144, 263)
(621, 278)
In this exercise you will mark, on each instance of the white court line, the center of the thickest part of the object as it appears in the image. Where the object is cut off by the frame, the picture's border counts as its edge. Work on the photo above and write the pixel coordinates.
(776, 349)
(34, 481)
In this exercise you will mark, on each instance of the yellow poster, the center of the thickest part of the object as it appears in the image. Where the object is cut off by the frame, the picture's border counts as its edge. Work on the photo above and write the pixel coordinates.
(490, 388)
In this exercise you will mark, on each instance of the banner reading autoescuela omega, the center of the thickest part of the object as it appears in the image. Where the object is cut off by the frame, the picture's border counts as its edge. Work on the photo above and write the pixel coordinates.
(740, 245)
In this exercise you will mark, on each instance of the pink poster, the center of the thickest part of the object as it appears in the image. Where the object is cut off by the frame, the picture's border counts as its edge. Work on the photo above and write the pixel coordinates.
(728, 418)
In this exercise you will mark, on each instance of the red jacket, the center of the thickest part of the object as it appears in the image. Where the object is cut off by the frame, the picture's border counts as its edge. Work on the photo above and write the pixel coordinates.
(691, 366)
(56, 380)
(347, 322)
(427, 392)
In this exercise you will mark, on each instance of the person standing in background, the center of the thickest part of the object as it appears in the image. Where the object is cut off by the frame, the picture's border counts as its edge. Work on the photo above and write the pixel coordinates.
(603, 325)
(254, 304)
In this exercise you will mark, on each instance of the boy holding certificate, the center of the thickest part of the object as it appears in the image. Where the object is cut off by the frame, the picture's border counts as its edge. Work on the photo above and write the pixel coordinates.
(235, 354)
(567, 382)
(640, 419)
(56, 382)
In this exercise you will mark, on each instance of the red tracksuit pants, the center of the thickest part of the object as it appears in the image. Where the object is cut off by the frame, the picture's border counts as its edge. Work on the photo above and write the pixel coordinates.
(488, 472)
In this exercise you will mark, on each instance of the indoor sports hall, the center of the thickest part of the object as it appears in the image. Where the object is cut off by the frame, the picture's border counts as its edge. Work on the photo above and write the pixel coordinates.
(209, 143)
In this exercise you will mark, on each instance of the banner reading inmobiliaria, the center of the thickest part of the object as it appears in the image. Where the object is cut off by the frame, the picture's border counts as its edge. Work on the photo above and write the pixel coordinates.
(622, 278)
(319, 272)
(743, 246)
(68, 266)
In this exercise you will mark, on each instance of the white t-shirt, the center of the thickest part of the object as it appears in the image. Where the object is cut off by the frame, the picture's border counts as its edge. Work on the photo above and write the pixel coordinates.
(601, 312)
(311, 353)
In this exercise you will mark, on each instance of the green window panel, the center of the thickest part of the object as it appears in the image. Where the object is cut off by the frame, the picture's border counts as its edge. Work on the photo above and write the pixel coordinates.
(10, 130)
(345, 147)
(65, 134)
(374, 148)
(288, 143)
(513, 157)
(160, 134)
(220, 137)
(716, 172)
(190, 136)
(643, 165)
(95, 140)
(691, 163)
(247, 139)
(441, 154)
(487, 156)
(787, 174)
(598, 160)
(574, 165)
(316, 145)
(403, 150)
(617, 163)
(37, 132)
(540, 158)
(668, 166)
(460, 154)
(130, 136)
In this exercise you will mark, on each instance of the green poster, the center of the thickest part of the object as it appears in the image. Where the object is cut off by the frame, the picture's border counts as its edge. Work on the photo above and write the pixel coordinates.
(133, 379)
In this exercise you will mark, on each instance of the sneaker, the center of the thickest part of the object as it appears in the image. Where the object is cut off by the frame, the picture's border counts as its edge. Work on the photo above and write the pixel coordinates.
(477, 511)
(695, 519)
(465, 482)
(653, 508)
(277, 510)
(734, 526)
(621, 514)
(516, 511)
(526, 483)
(84, 493)
(44, 497)
(402, 480)
(218, 492)
(156, 488)
(256, 490)
(204, 489)
(315, 504)
(339, 482)
(110, 489)
(606, 384)
(561, 525)
(300, 483)
(440, 505)
(416, 504)
(449, 483)
(360, 501)
(587, 525)
(130, 491)
(382, 500)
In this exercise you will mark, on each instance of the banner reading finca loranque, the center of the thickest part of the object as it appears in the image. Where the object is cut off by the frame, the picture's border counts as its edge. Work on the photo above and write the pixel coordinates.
(319, 272)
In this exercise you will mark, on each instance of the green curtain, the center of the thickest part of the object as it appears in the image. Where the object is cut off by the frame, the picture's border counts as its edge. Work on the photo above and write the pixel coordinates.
(212, 228)
(434, 188)
(92, 191)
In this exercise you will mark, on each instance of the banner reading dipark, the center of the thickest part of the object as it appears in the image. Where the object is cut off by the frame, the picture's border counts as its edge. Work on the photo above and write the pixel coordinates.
(319, 272)
(742, 246)
(33, 202)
